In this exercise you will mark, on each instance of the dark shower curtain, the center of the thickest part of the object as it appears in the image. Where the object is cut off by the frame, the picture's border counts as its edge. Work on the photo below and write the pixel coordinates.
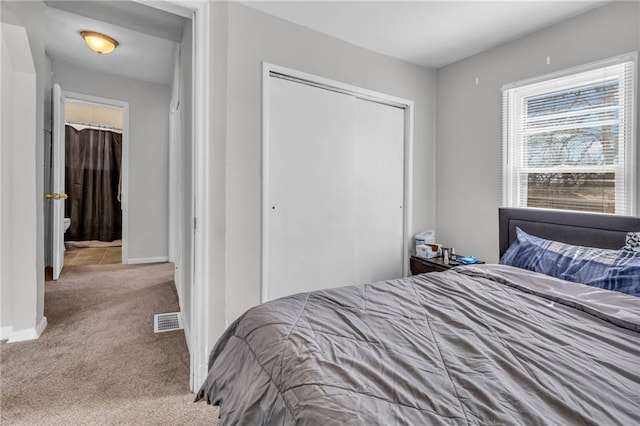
(92, 174)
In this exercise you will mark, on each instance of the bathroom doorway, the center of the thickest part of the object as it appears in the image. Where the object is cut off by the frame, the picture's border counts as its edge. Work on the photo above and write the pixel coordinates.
(95, 178)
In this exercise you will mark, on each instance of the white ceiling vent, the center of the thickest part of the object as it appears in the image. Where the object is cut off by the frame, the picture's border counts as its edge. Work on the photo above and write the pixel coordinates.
(167, 322)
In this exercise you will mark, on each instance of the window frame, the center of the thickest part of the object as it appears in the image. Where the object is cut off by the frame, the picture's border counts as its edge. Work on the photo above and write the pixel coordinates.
(625, 174)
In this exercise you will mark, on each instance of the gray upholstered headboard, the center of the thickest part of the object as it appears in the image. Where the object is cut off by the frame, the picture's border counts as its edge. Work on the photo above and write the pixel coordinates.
(584, 229)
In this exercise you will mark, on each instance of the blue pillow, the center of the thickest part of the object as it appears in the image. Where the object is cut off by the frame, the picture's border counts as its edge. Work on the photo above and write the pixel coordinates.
(617, 270)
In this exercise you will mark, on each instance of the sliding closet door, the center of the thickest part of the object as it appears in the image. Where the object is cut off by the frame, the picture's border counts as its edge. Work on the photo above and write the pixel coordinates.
(379, 195)
(334, 189)
(310, 186)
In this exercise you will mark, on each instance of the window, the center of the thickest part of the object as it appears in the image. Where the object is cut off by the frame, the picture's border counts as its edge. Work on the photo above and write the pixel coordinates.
(568, 141)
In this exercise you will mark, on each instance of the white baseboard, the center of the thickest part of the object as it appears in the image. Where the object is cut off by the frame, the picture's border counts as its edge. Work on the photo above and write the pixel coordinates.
(5, 332)
(160, 259)
(28, 333)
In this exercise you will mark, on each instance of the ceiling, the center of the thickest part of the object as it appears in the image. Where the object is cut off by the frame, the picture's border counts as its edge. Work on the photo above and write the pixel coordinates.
(427, 33)
(147, 37)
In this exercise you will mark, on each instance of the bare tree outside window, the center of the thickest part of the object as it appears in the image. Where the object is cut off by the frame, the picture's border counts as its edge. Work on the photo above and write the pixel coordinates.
(580, 140)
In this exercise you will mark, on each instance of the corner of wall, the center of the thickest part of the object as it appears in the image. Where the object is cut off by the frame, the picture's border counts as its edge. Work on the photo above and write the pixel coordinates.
(469, 120)
(28, 333)
(22, 206)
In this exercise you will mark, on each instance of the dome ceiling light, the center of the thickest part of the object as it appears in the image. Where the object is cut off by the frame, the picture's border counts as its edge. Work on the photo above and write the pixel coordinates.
(99, 43)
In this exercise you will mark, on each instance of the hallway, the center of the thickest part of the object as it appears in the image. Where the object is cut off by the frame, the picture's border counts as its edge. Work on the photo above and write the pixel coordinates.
(99, 361)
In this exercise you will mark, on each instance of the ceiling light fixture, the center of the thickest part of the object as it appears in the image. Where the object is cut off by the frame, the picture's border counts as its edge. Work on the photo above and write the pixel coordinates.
(99, 43)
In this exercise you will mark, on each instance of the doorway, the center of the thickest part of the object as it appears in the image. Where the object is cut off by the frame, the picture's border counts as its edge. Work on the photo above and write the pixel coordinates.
(94, 134)
(194, 40)
(90, 152)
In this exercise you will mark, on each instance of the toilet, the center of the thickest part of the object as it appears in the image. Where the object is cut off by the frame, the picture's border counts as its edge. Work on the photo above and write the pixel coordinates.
(67, 224)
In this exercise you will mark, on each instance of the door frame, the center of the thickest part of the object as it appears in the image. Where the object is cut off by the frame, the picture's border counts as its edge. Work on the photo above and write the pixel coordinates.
(81, 98)
(348, 89)
(203, 223)
(204, 282)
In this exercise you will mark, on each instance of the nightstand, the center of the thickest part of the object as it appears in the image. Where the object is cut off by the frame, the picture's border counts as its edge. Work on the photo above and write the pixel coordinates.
(419, 265)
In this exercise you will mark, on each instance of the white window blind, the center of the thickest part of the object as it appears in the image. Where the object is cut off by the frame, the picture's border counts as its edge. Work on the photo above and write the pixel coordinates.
(568, 142)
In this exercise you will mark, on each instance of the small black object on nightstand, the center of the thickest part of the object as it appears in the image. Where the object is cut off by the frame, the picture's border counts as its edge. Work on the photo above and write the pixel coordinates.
(419, 265)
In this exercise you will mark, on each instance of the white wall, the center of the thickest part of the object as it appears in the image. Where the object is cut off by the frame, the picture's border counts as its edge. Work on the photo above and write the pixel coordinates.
(18, 211)
(213, 259)
(254, 37)
(6, 71)
(469, 117)
(82, 113)
(148, 151)
(22, 223)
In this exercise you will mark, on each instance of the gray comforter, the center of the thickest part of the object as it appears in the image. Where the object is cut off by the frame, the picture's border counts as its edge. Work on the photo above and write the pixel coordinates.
(487, 344)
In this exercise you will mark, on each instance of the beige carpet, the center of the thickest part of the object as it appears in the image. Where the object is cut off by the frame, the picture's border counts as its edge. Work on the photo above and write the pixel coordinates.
(99, 361)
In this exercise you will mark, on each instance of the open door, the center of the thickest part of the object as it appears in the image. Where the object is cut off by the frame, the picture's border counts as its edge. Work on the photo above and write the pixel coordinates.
(58, 196)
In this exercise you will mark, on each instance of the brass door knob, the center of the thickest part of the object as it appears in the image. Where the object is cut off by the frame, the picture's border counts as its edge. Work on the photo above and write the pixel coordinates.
(56, 196)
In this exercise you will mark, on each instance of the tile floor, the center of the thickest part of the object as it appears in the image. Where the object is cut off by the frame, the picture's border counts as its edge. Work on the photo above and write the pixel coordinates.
(92, 256)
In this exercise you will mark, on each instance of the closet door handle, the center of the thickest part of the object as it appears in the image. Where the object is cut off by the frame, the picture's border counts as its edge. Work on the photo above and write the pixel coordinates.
(56, 196)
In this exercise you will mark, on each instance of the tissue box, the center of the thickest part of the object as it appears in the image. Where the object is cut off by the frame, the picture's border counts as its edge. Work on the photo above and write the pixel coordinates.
(426, 251)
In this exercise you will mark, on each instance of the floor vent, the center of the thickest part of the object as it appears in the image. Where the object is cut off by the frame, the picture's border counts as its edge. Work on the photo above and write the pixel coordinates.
(167, 322)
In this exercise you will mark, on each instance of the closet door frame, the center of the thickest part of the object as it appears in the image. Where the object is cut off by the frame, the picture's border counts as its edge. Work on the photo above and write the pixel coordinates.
(267, 70)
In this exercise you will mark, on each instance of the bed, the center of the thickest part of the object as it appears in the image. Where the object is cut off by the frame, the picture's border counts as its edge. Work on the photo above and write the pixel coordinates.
(483, 344)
